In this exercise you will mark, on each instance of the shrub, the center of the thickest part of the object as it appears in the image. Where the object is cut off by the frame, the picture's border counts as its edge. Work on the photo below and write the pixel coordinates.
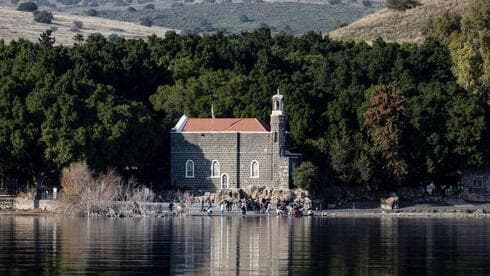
(45, 17)
(401, 5)
(68, 2)
(131, 9)
(149, 7)
(339, 25)
(27, 6)
(244, 18)
(91, 12)
(85, 193)
(306, 176)
(112, 38)
(146, 21)
(367, 3)
(78, 24)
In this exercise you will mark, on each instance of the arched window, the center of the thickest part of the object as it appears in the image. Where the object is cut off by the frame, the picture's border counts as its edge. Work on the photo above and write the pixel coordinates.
(225, 184)
(189, 169)
(215, 168)
(254, 169)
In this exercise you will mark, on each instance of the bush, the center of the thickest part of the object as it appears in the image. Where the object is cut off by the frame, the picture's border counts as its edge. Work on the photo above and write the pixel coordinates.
(112, 38)
(306, 176)
(45, 17)
(146, 21)
(27, 6)
(78, 24)
(401, 5)
(149, 7)
(244, 18)
(339, 25)
(367, 3)
(91, 12)
(68, 2)
(131, 9)
(85, 193)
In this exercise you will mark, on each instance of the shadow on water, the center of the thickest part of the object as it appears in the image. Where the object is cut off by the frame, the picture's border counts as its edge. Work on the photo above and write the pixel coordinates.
(244, 245)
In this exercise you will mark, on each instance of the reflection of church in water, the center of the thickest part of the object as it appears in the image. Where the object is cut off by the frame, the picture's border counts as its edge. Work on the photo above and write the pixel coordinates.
(252, 246)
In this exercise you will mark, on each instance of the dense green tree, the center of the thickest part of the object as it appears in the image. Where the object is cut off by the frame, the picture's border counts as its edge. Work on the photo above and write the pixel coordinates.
(306, 176)
(112, 103)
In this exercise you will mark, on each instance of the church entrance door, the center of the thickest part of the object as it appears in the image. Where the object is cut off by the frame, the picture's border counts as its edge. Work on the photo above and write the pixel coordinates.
(224, 181)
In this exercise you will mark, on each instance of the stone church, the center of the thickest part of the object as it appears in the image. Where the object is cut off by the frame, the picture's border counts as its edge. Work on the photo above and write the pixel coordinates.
(224, 153)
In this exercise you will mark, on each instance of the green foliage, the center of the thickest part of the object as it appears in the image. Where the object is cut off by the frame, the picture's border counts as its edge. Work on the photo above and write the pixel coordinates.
(146, 21)
(27, 6)
(68, 2)
(78, 24)
(112, 103)
(91, 12)
(45, 17)
(468, 38)
(401, 5)
(46, 40)
(306, 176)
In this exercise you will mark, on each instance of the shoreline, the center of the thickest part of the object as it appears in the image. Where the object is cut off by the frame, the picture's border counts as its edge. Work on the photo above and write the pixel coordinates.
(407, 212)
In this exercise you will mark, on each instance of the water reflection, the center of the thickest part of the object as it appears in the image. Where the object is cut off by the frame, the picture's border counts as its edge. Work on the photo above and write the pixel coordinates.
(243, 246)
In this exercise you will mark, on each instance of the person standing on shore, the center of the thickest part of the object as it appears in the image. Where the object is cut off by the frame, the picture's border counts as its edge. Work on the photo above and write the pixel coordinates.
(268, 207)
(244, 208)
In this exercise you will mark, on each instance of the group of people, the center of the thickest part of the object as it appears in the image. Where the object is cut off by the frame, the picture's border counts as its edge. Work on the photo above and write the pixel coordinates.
(262, 207)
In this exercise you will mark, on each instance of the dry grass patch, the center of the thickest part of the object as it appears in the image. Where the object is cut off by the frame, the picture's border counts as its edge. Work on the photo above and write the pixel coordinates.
(16, 24)
(399, 26)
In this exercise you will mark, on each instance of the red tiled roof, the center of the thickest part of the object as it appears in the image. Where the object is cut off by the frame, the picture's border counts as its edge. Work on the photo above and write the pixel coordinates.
(224, 124)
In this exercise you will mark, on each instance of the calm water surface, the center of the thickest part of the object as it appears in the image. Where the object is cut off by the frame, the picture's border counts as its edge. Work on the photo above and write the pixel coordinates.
(244, 245)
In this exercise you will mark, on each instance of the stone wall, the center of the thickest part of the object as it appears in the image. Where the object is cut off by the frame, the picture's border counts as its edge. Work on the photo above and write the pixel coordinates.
(26, 204)
(234, 151)
(476, 184)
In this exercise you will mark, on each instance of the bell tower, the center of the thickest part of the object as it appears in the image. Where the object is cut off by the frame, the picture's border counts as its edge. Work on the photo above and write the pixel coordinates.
(278, 124)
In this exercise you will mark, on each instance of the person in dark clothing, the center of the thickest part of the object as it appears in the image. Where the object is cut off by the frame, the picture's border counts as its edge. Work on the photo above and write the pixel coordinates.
(171, 206)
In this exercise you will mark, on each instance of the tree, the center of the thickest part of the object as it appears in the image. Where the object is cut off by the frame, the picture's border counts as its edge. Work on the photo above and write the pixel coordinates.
(91, 12)
(306, 176)
(385, 120)
(45, 17)
(46, 40)
(401, 5)
(243, 18)
(27, 6)
(146, 21)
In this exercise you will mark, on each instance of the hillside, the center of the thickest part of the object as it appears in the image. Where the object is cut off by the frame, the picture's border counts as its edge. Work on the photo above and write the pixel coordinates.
(401, 26)
(15, 24)
(293, 18)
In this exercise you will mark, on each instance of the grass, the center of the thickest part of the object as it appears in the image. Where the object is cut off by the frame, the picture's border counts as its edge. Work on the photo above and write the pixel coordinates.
(294, 18)
(400, 26)
(16, 24)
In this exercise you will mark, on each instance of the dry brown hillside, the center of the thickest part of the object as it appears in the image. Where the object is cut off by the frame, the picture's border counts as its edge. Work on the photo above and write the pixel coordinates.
(400, 26)
(16, 24)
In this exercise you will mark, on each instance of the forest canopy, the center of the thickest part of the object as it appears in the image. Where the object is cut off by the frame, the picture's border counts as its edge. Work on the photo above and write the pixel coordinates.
(372, 115)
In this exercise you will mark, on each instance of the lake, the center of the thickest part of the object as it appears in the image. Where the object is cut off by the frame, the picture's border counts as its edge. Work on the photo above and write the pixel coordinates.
(254, 245)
